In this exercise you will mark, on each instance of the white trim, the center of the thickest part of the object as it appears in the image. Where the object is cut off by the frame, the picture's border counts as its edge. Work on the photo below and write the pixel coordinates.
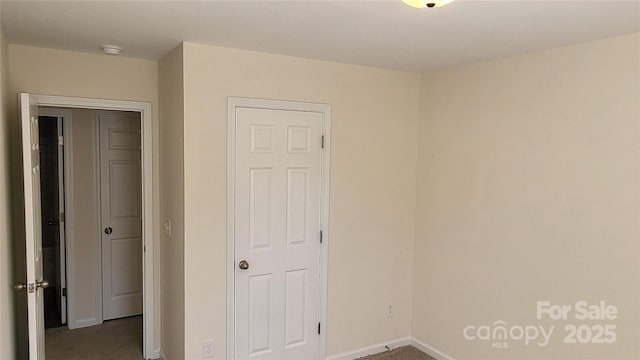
(144, 108)
(72, 321)
(324, 225)
(325, 110)
(430, 350)
(62, 223)
(373, 349)
(231, 211)
(97, 266)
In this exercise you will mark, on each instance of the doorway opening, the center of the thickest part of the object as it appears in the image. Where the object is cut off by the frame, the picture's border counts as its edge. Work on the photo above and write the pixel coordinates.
(52, 210)
(121, 234)
(92, 259)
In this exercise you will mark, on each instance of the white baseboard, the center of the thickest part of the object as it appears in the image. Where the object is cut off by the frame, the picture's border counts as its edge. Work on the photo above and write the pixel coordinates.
(430, 350)
(381, 347)
(373, 349)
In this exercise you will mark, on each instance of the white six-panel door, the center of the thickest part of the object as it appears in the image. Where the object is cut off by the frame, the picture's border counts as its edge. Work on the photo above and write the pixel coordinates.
(121, 213)
(277, 233)
(33, 227)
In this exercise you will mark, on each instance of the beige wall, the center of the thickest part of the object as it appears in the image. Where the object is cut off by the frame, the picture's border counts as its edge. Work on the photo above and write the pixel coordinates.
(527, 187)
(373, 172)
(170, 86)
(528, 190)
(6, 260)
(56, 72)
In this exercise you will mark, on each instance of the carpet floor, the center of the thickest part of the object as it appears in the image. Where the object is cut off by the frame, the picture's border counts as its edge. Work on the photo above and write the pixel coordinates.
(401, 353)
(115, 339)
(122, 339)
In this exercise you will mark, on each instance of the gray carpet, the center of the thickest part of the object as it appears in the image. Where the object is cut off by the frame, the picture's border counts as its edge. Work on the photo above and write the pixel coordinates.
(401, 353)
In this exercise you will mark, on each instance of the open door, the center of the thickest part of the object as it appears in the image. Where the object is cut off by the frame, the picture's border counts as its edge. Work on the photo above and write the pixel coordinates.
(33, 229)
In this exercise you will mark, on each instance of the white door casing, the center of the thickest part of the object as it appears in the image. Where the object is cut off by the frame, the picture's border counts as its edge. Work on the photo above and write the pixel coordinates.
(279, 206)
(121, 214)
(33, 228)
(61, 270)
(151, 317)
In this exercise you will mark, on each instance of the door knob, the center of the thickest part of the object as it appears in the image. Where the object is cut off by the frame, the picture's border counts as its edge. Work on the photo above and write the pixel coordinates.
(243, 265)
(20, 286)
(108, 230)
(39, 284)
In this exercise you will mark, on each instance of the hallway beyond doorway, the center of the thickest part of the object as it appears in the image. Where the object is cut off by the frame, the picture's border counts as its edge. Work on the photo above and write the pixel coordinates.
(115, 339)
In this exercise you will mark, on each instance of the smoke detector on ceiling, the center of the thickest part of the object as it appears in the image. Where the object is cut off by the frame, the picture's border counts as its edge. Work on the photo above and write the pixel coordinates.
(111, 49)
(427, 3)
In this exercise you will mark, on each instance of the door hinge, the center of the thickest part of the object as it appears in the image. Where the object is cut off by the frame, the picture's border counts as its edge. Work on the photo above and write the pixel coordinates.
(318, 328)
(64, 291)
(323, 141)
(60, 140)
(320, 236)
(61, 217)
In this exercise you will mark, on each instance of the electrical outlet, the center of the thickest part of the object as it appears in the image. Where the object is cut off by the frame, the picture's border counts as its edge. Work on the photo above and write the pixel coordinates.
(207, 349)
(389, 309)
(167, 227)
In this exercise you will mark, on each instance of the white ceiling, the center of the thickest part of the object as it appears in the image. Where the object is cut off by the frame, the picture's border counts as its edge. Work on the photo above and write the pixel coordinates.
(379, 33)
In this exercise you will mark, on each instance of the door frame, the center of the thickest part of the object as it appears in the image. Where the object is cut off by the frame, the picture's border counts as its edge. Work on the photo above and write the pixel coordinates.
(150, 317)
(234, 103)
(67, 197)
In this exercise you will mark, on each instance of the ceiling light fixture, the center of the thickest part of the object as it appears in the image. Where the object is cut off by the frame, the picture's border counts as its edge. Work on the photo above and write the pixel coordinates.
(427, 3)
(111, 49)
